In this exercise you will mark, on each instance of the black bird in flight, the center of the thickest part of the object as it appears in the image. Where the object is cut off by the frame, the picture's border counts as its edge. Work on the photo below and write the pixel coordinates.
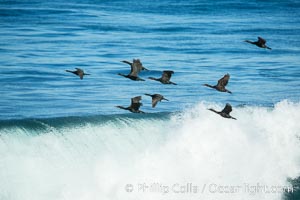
(221, 84)
(156, 98)
(135, 105)
(165, 78)
(225, 112)
(260, 43)
(136, 68)
(79, 72)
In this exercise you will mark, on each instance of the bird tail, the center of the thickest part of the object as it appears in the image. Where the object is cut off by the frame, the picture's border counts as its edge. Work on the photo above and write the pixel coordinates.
(144, 68)
(228, 91)
(165, 99)
(269, 48)
(69, 71)
(140, 79)
(233, 118)
(148, 94)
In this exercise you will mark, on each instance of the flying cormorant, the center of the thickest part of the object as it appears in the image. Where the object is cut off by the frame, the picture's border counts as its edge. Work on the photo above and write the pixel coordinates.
(136, 67)
(79, 72)
(156, 98)
(260, 43)
(165, 78)
(225, 112)
(221, 84)
(135, 105)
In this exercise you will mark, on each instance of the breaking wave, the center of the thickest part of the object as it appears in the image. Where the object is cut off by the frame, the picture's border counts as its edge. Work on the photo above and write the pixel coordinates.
(186, 155)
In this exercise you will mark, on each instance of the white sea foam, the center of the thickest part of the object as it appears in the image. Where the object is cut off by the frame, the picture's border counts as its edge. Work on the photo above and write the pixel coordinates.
(194, 155)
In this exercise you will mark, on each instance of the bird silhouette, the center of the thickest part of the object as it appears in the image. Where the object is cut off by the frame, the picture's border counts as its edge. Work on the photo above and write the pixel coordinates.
(136, 68)
(79, 72)
(260, 43)
(221, 84)
(156, 98)
(165, 78)
(135, 105)
(225, 112)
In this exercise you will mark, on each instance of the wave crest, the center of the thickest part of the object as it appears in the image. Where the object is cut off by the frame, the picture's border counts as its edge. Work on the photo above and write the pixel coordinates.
(170, 153)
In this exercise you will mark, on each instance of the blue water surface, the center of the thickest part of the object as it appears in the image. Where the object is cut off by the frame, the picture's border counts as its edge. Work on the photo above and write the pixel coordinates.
(200, 40)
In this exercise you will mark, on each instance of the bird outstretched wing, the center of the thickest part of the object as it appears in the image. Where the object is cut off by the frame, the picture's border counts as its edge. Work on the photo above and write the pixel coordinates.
(80, 72)
(227, 109)
(166, 76)
(136, 99)
(224, 80)
(261, 40)
(155, 99)
(136, 67)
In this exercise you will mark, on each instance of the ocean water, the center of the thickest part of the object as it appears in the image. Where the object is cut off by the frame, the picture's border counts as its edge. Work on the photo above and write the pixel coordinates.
(63, 138)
